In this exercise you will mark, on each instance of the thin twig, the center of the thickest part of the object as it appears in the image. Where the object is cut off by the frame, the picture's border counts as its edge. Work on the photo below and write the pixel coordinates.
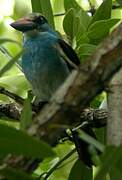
(13, 96)
(59, 163)
(90, 4)
(59, 14)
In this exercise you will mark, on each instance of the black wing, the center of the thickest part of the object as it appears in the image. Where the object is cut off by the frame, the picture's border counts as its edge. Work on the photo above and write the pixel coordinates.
(72, 58)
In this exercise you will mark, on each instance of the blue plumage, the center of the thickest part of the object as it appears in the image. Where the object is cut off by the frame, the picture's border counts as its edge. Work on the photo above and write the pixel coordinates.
(43, 65)
(44, 62)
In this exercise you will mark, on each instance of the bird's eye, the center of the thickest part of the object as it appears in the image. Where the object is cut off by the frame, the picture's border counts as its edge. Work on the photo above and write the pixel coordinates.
(40, 20)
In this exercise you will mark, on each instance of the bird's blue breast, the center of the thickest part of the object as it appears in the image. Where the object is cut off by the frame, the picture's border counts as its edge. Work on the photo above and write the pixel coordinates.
(43, 65)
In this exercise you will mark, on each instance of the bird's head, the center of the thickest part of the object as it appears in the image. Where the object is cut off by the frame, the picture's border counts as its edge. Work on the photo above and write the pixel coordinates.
(34, 22)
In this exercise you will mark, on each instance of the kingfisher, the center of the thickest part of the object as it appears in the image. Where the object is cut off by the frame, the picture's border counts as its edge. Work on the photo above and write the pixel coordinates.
(46, 62)
(48, 59)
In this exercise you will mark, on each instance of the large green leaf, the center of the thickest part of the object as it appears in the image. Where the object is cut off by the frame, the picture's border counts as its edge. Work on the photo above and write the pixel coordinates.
(84, 17)
(68, 4)
(5, 52)
(85, 50)
(71, 24)
(44, 7)
(103, 12)
(65, 158)
(111, 163)
(14, 174)
(80, 172)
(16, 84)
(18, 142)
(100, 29)
(82, 38)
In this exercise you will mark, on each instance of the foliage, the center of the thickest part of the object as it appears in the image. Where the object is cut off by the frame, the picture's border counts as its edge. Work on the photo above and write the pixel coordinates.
(84, 32)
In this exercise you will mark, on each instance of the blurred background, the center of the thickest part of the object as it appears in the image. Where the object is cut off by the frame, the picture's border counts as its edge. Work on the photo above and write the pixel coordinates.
(14, 80)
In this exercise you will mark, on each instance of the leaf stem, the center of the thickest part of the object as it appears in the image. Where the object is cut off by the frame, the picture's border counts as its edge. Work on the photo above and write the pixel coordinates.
(58, 163)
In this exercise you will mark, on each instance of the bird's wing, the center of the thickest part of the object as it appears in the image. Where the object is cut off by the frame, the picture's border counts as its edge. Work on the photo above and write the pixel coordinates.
(68, 54)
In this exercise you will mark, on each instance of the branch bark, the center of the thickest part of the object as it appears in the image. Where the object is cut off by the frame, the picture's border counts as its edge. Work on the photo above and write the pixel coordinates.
(114, 126)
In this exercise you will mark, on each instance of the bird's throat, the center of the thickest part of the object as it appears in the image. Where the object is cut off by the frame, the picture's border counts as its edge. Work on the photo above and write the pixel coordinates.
(31, 34)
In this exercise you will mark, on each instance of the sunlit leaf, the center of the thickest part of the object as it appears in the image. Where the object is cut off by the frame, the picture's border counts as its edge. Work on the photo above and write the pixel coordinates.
(5, 40)
(5, 52)
(16, 84)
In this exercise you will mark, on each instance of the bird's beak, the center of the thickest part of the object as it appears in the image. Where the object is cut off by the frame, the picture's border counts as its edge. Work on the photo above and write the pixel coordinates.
(23, 24)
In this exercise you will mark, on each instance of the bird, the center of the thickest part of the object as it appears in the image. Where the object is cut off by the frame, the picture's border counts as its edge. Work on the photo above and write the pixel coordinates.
(46, 62)
(48, 59)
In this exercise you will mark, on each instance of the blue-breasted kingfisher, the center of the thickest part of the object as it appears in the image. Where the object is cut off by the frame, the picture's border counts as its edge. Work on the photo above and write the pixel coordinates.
(46, 62)
(47, 59)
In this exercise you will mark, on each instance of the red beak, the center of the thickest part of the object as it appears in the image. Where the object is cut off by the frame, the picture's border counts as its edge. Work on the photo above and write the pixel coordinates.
(23, 24)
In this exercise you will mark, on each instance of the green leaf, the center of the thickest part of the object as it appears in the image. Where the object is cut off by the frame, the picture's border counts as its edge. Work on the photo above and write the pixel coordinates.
(82, 38)
(44, 7)
(26, 115)
(85, 50)
(10, 64)
(5, 40)
(68, 4)
(14, 174)
(100, 29)
(115, 173)
(65, 157)
(5, 52)
(18, 142)
(80, 171)
(103, 12)
(111, 163)
(84, 17)
(9, 56)
(16, 84)
(71, 24)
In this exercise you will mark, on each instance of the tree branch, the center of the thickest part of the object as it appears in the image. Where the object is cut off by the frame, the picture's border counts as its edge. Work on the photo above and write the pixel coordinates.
(114, 126)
